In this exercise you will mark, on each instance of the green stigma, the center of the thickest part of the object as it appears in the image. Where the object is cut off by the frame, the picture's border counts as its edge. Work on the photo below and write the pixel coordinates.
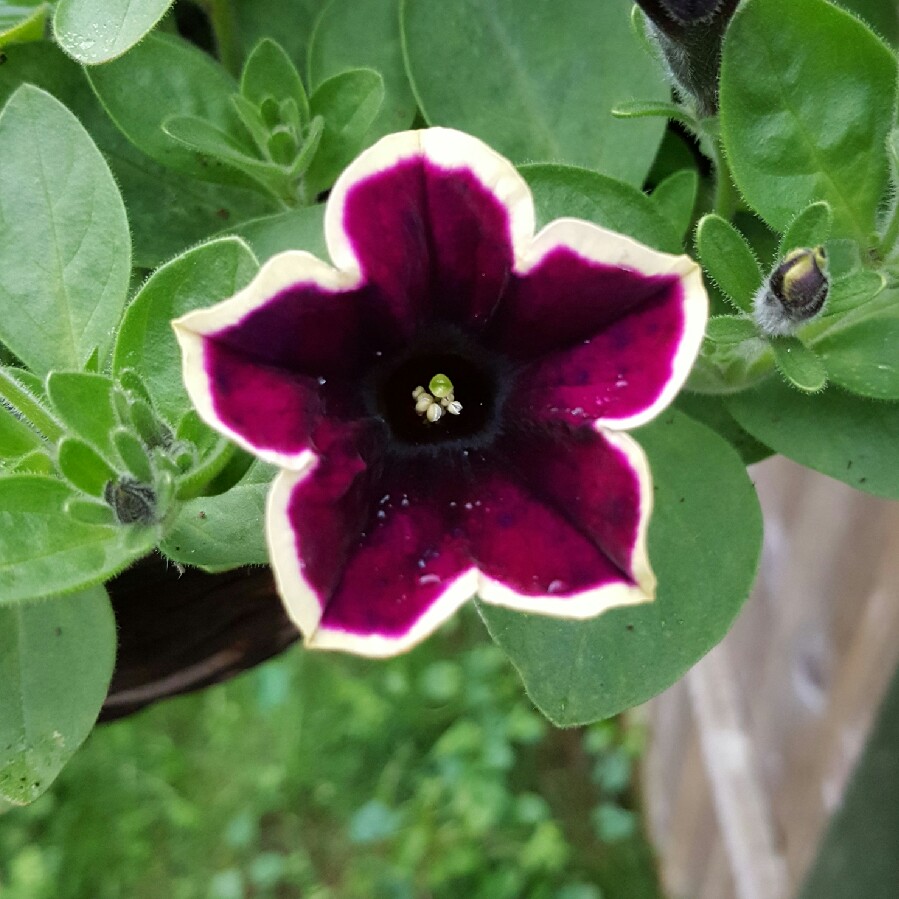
(440, 386)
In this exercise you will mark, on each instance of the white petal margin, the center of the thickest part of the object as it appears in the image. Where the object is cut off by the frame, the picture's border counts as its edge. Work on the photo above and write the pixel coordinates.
(446, 149)
(302, 603)
(281, 271)
(608, 248)
(590, 603)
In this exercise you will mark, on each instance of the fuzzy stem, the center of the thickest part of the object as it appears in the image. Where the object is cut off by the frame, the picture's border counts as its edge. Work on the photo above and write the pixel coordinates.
(727, 200)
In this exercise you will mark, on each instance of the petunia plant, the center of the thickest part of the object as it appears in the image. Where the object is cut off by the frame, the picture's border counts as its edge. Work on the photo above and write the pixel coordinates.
(320, 319)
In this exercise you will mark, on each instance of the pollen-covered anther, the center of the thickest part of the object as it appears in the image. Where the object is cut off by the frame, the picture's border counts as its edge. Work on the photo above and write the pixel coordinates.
(440, 400)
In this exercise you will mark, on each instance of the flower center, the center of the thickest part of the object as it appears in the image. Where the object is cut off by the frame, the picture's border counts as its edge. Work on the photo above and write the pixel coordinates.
(439, 402)
(444, 390)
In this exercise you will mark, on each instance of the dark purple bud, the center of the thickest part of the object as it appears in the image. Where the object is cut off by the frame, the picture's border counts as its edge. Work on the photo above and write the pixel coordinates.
(690, 33)
(793, 293)
(132, 501)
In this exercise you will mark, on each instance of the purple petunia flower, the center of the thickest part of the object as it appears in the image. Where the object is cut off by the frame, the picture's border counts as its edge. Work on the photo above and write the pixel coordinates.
(387, 514)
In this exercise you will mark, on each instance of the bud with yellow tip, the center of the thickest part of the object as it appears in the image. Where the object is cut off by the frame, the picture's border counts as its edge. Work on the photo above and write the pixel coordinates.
(794, 292)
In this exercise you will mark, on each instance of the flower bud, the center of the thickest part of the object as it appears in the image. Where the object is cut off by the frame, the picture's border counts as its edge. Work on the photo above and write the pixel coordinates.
(793, 293)
(689, 34)
(131, 501)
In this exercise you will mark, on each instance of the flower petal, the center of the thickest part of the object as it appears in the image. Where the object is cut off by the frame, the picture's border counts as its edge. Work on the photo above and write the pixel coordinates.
(255, 364)
(372, 581)
(434, 220)
(563, 531)
(611, 327)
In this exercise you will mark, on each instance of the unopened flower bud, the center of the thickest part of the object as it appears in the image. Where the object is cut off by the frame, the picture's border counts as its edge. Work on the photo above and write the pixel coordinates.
(689, 34)
(793, 293)
(131, 501)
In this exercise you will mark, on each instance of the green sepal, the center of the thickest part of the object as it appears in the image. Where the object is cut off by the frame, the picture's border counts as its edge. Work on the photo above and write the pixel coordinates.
(730, 329)
(728, 259)
(151, 430)
(35, 462)
(798, 364)
(132, 453)
(87, 511)
(810, 228)
(82, 466)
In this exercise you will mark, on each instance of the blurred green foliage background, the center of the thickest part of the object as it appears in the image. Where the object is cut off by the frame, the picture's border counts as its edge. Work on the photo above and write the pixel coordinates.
(327, 777)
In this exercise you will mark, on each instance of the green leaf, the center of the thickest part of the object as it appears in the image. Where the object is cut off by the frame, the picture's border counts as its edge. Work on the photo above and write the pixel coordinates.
(853, 290)
(225, 531)
(43, 551)
(83, 466)
(348, 104)
(132, 452)
(798, 364)
(299, 229)
(56, 660)
(94, 31)
(808, 97)
(167, 211)
(269, 72)
(860, 348)
(882, 15)
(809, 229)
(200, 277)
(213, 453)
(23, 392)
(84, 405)
(65, 253)
(354, 34)
(676, 197)
(561, 191)
(35, 462)
(704, 553)
(294, 19)
(87, 511)
(728, 259)
(730, 329)
(23, 21)
(16, 437)
(713, 413)
(172, 78)
(512, 87)
(851, 439)
(214, 142)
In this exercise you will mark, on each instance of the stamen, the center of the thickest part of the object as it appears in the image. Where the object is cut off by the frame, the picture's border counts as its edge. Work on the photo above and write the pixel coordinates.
(440, 399)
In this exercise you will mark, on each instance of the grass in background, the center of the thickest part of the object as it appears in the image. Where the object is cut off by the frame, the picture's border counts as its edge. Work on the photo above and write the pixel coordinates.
(321, 776)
